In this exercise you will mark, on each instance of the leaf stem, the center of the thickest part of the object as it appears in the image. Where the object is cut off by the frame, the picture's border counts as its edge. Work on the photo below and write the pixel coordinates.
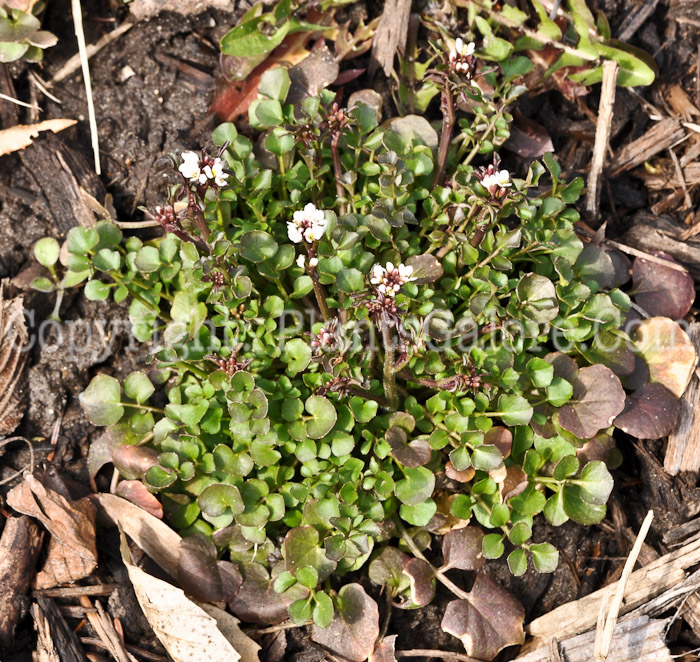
(389, 374)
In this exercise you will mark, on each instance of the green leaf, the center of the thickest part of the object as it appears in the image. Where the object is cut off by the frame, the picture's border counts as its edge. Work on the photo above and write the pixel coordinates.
(302, 549)
(350, 280)
(138, 387)
(416, 487)
(596, 483)
(296, 354)
(46, 251)
(515, 410)
(420, 514)
(101, 400)
(42, 284)
(323, 610)
(96, 290)
(147, 259)
(636, 67)
(257, 246)
(517, 562)
(324, 416)
(545, 557)
(81, 241)
(274, 84)
(492, 546)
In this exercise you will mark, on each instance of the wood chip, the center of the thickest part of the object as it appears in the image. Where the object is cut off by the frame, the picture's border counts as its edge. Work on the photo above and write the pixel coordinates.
(390, 37)
(640, 639)
(13, 363)
(660, 137)
(19, 549)
(683, 448)
(650, 581)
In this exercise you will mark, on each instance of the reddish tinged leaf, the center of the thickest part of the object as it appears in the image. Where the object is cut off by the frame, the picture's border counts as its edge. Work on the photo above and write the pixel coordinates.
(528, 138)
(500, 437)
(622, 265)
(72, 553)
(426, 268)
(136, 492)
(387, 568)
(669, 353)
(102, 449)
(462, 549)
(385, 650)
(564, 366)
(415, 454)
(515, 482)
(598, 398)
(134, 461)
(258, 602)
(353, 632)
(461, 476)
(488, 621)
(660, 290)
(422, 579)
(201, 576)
(599, 448)
(650, 413)
(348, 75)
(315, 72)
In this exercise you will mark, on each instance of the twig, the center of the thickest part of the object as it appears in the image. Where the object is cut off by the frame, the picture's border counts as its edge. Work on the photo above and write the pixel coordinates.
(42, 87)
(448, 120)
(427, 652)
(604, 636)
(18, 102)
(646, 256)
(9, 440)
(681, 179)
(73, 64)
(82, 50)
(602, 135)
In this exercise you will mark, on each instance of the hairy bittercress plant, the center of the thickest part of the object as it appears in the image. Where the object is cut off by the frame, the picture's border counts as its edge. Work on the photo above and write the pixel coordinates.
(356, 339)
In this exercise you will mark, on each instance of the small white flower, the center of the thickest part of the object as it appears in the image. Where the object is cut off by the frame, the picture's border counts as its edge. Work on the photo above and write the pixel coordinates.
(497, 182)
(460, 56)
(308, 224)
(216, 172)
(190, 167)
(301, 261)
(388, 280)
(313, 262)
(294, 234)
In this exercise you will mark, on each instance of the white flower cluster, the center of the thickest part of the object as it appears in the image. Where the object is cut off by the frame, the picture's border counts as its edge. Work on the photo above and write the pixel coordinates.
(459, 56)
(496, 183)
(388, 280)
(191, 168)
(307, 225)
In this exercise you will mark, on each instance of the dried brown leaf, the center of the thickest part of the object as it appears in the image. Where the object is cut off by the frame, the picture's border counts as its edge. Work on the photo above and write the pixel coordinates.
(71, 553)
(13, 363)
(20, 136)
(669, 353)
(353, 631)
(488, 621)
(187, 631)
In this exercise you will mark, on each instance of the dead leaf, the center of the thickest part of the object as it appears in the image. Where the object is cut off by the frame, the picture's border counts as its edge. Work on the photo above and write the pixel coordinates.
(21, 135)
(354, 629)
(312, 74)
(528, 138)
(385, 650)
(136, 492)
(13, 363)
(488, 621)
(71, 553)
(204, 577)
(144, 9)
(186, 630)
(668, 352)
(229, 626)
(152, 535)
